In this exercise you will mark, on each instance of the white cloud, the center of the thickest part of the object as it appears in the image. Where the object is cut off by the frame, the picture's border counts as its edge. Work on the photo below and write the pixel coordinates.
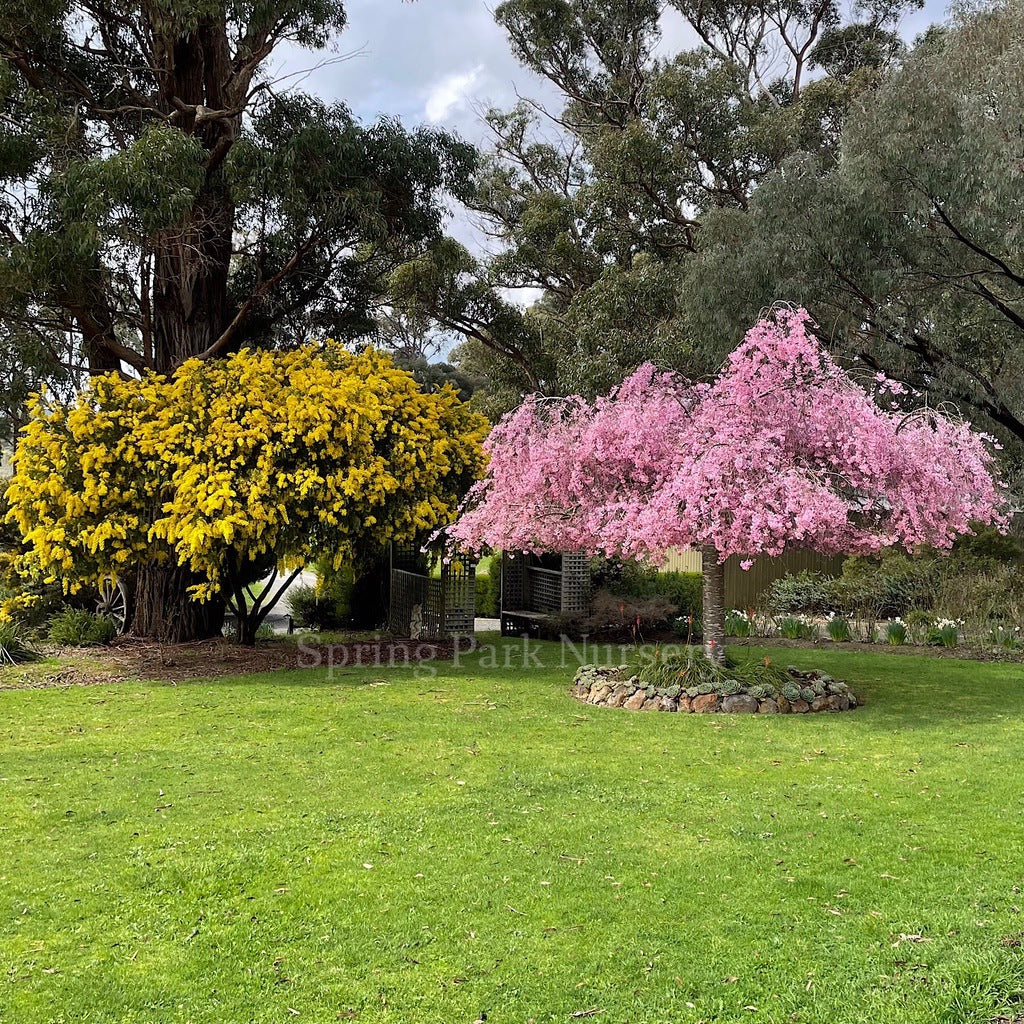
(450, 94)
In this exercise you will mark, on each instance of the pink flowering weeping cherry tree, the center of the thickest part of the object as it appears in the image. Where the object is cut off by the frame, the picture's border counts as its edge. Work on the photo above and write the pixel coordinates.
(783, 450)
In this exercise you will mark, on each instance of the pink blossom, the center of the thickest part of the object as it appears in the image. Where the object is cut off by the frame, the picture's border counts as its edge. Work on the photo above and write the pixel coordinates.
(784, 449)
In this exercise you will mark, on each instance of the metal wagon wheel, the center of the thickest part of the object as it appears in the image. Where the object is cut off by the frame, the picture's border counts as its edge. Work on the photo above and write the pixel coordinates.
(112, 602)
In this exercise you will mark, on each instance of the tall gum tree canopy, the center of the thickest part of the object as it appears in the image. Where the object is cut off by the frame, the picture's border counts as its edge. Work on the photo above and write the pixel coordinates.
(598, 206)
(907, 248)
(258, 459)
(784, 449)
(164, 199)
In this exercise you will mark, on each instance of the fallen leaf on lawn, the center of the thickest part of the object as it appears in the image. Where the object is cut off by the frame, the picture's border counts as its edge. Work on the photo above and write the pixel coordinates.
(586, 1013)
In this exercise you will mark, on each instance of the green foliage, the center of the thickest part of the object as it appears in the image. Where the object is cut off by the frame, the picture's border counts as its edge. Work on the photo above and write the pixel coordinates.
(606, 218)
(839, 630)
(896, 633)
(148, 224)
(797, 629)
(75, 627)
(488, 587)
(804, 591)
(635, 579)
(945, 633)
(13, 646)
(933, 295)
(326, 605)
(791, 691)
(738, 624)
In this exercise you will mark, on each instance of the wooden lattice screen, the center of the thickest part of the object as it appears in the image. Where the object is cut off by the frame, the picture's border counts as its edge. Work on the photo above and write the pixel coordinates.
(428, 605)
(530, 591)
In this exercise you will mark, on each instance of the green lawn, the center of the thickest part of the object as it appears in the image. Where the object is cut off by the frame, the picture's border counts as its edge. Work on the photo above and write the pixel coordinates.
(290, 848)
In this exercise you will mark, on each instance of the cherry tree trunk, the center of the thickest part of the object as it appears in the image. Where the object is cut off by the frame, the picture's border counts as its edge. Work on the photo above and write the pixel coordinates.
(165, 611)
(714, 604)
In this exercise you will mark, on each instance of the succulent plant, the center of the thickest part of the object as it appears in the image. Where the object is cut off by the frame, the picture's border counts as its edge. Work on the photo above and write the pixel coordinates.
(762, 691)
(706, 688)
(692, 691)
(729, 687)
(791, 691)
(807, 694)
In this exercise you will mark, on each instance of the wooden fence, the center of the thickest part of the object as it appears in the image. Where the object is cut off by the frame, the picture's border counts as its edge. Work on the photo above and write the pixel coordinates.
(744, 587)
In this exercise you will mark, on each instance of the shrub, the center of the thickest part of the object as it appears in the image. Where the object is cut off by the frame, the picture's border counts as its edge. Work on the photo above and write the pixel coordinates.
(74, 627)
(800, 592)
(13, 647)
(328, 604)
(625, 615)
(683, 589)
(634, 579)
(885, 587)
(838, 629)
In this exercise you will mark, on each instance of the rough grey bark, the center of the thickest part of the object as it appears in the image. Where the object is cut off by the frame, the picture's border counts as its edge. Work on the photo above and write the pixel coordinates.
(714, 604)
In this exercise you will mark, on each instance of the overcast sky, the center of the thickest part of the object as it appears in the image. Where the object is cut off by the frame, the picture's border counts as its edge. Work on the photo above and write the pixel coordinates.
(439, 61)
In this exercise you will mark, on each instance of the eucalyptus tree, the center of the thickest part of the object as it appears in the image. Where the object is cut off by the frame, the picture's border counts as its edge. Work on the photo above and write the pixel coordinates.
(599, 206)
(907, 248)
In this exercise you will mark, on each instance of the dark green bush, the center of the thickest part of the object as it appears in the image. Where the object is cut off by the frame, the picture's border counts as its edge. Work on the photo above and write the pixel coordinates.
(886, 587)
(75, 627)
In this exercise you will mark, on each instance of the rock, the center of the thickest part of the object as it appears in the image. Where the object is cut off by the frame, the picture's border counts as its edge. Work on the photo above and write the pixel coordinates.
(651, 704)
(667, 704)
(635, 702)
(620, 695)
(820, 704)
(705, 703)
(684, 704)
(600, 694)
(768, 707)
(740, 704)
(800, 706)
(783, 705)
(839, 702)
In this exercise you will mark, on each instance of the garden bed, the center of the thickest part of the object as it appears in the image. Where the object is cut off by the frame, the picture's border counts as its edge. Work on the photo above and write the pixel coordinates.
(802, 692)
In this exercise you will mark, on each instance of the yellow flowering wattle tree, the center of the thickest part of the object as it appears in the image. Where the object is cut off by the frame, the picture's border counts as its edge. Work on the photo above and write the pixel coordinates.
(195, 482)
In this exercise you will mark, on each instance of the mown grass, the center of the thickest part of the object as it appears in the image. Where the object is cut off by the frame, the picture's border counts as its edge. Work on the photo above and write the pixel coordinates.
(478, 845)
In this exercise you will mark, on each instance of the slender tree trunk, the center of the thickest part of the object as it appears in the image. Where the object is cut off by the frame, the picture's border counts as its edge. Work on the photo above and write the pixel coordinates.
(714, 604)
(165, 611)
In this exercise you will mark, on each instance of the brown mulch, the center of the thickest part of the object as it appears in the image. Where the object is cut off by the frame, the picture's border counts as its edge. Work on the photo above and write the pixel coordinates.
(130, 658)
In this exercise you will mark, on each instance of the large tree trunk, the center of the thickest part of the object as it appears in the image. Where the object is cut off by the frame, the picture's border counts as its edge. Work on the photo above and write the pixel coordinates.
(714, 604)
(165, 611)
